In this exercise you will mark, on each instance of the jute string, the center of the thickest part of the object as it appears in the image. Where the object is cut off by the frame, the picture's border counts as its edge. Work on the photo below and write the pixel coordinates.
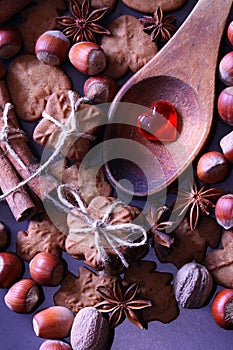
(71, 128)
(8, 133)
(101, 227)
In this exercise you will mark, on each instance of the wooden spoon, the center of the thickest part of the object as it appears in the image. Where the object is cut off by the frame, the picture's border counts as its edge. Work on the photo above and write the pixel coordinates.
(182, 73)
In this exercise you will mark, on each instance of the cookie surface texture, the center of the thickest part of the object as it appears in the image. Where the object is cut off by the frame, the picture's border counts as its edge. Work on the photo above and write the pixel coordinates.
(149, 6)
(31, 83)
(128, 47)
(37, 19)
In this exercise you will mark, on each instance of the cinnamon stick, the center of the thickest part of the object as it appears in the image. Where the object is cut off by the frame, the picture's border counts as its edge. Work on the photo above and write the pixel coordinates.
(20, 202)
(21, 148)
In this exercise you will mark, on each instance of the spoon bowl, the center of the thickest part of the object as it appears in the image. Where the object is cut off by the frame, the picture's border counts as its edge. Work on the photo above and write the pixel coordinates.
(183, 74)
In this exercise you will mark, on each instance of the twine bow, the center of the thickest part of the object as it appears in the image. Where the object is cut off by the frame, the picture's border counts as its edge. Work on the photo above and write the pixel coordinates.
(101, 227)
(8, 133)
(71, 128)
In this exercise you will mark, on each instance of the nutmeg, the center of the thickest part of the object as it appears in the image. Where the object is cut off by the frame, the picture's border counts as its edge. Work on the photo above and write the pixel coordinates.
(225, 105)
(226, 145)
(52, 47)
(193, 284)
(212, 167)
(54, 345)
(46, 269)
(88, 58)
(90, 330)
(23, 296)
(100, 89)
(53, 323)
(10, 42)
(10, 269)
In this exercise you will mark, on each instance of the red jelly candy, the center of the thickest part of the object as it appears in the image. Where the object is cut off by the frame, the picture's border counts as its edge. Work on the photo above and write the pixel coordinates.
(160, 123)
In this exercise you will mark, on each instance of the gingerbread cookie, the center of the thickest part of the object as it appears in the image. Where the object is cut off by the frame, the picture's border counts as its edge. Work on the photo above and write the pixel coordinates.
(31, 83)
(38, 18)
(91, 181)
(220, 261)
(149, 6)
(190, 244)
(128, 47)
(156, 287)
(79, 292)
(95, 246)
(86, 118)
(41, 236)
(96, 4)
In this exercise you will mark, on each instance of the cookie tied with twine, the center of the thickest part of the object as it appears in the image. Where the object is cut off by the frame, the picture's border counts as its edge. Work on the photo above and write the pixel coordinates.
(104, 234)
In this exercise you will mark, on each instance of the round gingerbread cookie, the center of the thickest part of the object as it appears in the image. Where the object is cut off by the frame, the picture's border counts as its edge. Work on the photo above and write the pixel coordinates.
(31, 83)
(149, 6)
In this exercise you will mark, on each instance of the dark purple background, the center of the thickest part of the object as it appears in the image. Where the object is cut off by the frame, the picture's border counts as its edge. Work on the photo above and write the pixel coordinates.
(192, 330)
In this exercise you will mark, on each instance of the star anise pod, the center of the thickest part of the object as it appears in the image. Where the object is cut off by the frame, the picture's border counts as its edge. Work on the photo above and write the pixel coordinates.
(156, 219)
(82, 26)
(158, 26)
(121, 302)
(197, 201)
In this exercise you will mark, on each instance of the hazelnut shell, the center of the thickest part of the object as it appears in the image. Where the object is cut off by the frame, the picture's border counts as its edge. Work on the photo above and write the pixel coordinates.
(10, 269)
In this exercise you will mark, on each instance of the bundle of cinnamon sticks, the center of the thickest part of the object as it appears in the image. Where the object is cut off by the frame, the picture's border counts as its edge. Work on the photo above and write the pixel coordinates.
(16, 163)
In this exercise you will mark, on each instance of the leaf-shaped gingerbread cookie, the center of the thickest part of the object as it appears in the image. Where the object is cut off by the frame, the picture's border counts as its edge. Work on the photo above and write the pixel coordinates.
(190, 244)
(78, 292)
(220, 261)
(149, 6)
(128, 47)
(156, 287)
(41, 236)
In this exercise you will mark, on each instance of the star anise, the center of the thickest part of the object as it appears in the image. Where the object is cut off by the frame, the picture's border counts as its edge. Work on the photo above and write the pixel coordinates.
(197, 201)
(122, 302)
(158, 26)
(157, 221)
(82, 26)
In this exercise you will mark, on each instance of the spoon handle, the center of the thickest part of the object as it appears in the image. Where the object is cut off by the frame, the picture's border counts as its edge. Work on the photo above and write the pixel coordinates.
(191, 54)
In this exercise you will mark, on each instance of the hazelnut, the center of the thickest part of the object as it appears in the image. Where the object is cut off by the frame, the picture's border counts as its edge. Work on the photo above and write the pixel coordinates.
(53, 323)
(100, 89)
(3, 237)
(225, 105)
(10, 42)
(193, 284)
(212, 167)
(54, 345)
(10, 269)
(88, 58)
(23, 296)
(222, 307)
(226, 69)
(226, 144)
(230, 33)
(52, 47)
(46, 269)
(224, 211)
